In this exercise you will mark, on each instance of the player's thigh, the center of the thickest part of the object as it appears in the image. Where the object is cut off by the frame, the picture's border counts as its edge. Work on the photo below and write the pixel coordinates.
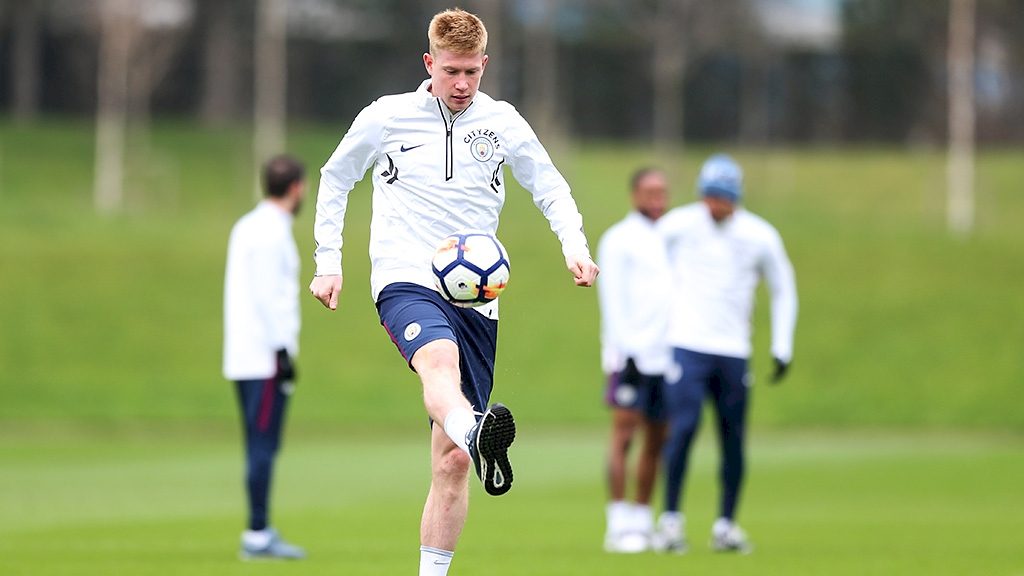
(414, 317)
(686, 383)
(732, 393)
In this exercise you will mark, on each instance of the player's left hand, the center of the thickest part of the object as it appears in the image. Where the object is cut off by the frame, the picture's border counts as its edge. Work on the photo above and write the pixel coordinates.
(583, 269)
(781, 367)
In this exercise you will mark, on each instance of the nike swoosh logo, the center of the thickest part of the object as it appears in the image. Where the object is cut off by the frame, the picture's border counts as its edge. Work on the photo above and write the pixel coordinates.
(404, 149)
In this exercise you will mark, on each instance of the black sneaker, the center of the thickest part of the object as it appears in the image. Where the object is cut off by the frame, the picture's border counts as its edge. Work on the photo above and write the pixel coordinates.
(488, 443)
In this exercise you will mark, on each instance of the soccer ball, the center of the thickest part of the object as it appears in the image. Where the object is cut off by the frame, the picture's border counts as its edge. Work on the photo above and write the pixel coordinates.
(471, 268)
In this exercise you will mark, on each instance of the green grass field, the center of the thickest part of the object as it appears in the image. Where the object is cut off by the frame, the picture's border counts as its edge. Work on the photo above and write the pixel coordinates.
(895, 447)
(818, 503)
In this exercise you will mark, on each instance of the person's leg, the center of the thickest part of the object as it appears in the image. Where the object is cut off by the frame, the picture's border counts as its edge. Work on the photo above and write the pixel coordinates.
(263, 408)
(448, 500)
(624, 424)
(655, 430)
(456, 377)
(730, 394)
(619, 513)
(684, 398)
(263, 405)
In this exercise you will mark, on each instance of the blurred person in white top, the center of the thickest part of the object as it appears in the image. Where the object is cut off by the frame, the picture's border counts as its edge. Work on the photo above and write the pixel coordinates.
(437, 157)
(719, 252)
(635, 293)
(261, 338)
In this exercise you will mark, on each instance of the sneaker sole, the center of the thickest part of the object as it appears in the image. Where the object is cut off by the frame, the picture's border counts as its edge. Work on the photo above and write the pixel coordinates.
(497, 432)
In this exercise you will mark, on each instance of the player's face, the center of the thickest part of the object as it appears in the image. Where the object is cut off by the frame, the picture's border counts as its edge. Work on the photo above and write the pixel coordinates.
(455, 78)
(720, 208)
(650, 197)
(297, 193)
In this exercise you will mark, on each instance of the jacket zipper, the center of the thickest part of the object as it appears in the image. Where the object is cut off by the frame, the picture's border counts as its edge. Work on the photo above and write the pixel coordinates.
(449, 146)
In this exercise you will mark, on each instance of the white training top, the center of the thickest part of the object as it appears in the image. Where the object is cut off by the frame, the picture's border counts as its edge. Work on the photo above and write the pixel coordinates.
(435, 173)
(635, 292)
(261, 293)
(717, 268)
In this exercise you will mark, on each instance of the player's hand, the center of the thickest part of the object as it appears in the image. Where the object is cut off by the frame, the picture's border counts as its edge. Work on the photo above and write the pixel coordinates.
(781, 367)
(583, 269)
(286, 371)
(326, 290)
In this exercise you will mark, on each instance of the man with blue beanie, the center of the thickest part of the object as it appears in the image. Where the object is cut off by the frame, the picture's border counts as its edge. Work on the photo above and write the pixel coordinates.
(718, 253)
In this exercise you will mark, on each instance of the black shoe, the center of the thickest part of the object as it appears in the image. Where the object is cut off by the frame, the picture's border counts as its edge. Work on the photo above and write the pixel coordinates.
(488, 443)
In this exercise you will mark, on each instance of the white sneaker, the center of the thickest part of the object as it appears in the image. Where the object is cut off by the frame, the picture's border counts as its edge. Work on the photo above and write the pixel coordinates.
(670, 535)
(626, 543)
(728, 537)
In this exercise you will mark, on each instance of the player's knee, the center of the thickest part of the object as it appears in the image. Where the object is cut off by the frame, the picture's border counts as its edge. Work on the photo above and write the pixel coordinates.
(437, 356)
(453, 466)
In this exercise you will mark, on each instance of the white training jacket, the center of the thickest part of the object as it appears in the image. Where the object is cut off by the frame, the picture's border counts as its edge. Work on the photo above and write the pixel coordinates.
(435, 173)
(261, 293)
(717, 268)
(635, 293)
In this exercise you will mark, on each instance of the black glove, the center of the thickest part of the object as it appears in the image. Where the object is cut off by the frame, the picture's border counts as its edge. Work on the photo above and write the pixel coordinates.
(629, 374)
(780, 371)
(285, 369)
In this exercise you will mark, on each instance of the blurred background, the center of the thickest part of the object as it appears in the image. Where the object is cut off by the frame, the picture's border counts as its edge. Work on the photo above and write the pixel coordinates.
(883, 138)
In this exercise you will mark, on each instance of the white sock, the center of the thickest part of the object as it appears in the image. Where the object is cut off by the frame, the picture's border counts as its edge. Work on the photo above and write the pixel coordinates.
(257, 538)
(721, 527)
(457, 424)
(643, 517)
(617, 513)
(434, 561)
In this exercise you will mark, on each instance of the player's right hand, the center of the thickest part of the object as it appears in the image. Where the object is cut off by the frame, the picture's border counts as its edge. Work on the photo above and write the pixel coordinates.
(583, 269)
(326, 289)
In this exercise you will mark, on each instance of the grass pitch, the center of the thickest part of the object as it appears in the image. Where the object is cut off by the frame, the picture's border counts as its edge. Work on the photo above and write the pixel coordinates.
(849, 503)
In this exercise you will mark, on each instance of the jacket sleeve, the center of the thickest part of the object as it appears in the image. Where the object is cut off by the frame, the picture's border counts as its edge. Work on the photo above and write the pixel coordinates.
(778, 273)
(354, 155)
(533, 169)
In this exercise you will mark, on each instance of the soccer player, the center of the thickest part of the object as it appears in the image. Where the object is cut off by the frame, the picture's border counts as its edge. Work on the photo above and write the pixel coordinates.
(438, 156)
(635, 292)
(261, 338)
(719, 252)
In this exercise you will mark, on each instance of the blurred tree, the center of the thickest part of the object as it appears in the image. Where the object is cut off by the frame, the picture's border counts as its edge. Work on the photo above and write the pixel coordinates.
(960, 167)
(540, 69)
(271, 80)
(221, 55)
(26, 56)
(118, 32)
(490, 11)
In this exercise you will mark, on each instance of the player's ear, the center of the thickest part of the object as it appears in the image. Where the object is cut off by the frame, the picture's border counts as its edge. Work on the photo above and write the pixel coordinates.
(428, 63)
(483, 64)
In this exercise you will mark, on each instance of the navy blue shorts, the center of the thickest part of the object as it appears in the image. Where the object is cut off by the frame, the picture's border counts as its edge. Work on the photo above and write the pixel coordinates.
(414, 316)
(646, 395)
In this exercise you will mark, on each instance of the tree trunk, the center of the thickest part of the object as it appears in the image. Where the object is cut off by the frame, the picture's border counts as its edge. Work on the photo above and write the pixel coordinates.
(117, 28)
(271, 77)
(540, 62)
(960, 167)
(668, 69)
(25, 65)
(220, 71)
(490, 12)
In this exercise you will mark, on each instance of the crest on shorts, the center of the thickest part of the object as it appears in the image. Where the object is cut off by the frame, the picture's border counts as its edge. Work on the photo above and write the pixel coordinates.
(483, 148)
(412, 331)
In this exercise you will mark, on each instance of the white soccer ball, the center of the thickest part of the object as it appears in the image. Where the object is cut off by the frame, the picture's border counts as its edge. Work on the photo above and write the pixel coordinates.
(471, 268)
